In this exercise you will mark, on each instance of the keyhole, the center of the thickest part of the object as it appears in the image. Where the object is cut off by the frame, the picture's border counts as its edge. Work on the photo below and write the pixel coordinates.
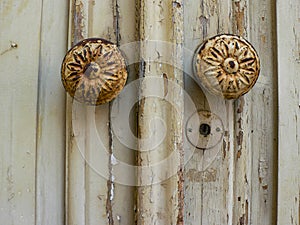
(204, 129)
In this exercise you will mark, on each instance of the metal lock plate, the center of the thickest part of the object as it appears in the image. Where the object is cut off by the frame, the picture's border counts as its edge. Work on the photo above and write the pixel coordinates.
(204, 130)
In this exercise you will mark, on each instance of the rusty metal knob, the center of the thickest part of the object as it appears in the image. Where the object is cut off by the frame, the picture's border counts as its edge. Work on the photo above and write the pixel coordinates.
(94, 71)
(227, 65)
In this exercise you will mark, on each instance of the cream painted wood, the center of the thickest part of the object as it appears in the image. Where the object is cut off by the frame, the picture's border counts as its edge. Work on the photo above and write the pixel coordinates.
(86, 193)
(20, 24)
(259, 120)
(255, 121)
(208, 186)
(288, 36)
(124, 189)
(75, 163)
(238, 187)
(160, 180)
(50, 202)
(94, 194)
(238, 184)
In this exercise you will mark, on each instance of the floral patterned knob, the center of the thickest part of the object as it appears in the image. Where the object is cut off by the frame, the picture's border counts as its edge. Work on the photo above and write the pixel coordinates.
(94, 71)
(227, 65)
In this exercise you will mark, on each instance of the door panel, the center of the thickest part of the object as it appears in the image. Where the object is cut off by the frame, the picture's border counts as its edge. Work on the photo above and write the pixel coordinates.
(288, 32)
(93, 150)
(32, 114)
(131, 161)
(231, 183)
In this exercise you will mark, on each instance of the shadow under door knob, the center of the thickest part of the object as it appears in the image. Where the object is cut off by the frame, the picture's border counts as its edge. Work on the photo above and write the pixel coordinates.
(94, 71)
(227, 65)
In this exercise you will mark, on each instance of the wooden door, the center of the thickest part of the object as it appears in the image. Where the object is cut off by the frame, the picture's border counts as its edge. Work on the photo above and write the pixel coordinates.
(131, 161)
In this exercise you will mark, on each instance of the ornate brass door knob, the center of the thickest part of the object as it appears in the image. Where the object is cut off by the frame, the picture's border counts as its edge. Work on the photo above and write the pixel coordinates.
(227, 65)
(94, 71)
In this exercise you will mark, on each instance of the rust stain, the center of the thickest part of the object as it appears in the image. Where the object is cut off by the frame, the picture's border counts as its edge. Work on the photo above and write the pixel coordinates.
(226, 133)
(202, 176)
(210, 175)
(244, 218)
(246, 179)
(239, 122)
(263, 39)
(194, 175)
(224, 149)
(204, 22)
(241, 104)
(265, 187)
(240, 137)
(78, 26)
(116, 12)
(165, 76)
(240, 18)
(180, 184)
(110, 183)
(239, 153)
(109, 203)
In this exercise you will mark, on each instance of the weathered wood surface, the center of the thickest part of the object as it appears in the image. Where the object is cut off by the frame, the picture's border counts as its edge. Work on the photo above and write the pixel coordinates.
(18, 80)
(50, 175)
(238, 187)
(208, 191)
(160, 124)
(32, 114)
(234, 183)
(288, 32)
(94, 194)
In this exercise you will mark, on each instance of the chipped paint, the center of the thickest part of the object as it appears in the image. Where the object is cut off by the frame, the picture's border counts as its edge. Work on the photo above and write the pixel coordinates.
(79, 26)
(240, 18)
(194, 175)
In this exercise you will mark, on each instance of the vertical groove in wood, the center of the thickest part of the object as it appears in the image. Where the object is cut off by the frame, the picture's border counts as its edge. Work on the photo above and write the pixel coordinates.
(160, 194)
(242, 123)
(101, 194)
(123, 154)
(110, 182)
(75, 163)
(275, 92)
(19, 59)
(51, 116)
(177, 118)
(104, 199)
(288, 32)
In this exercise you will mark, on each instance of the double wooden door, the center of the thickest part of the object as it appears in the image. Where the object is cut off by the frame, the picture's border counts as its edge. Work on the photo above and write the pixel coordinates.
(134, 160)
